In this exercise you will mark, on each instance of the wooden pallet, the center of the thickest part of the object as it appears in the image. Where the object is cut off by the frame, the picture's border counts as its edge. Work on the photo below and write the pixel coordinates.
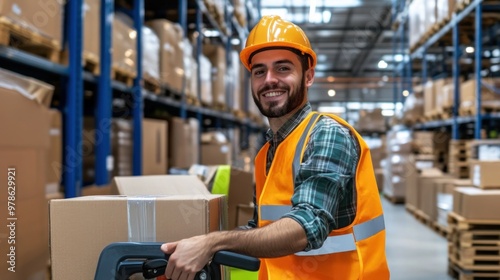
(476, 238)
(442, 230)
(90, 61)
(151, 84)
(239, 114)
(459, 223)
(25, 39)
(191, 100)
(459, 273)
(122, 75)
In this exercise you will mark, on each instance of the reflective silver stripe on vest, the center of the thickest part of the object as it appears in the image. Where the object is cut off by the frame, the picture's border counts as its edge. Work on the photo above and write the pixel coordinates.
(300, 144)
(273, 212)
(333, 244)
(347, 242)
(369, 228)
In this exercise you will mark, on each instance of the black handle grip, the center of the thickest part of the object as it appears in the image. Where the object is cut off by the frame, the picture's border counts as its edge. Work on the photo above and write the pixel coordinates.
(236, 260)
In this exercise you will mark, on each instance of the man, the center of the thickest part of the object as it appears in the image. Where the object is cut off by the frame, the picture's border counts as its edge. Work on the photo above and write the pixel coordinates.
(319, 214)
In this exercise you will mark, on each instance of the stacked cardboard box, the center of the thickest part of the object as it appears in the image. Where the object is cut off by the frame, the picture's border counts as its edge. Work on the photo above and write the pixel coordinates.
(183, 142)
(24, 153)
(217, 56)
(400, 169)
(154, 147)
(444, 199)
(207, 98)
(371, 121)
(171, 53)
(215, 149)
(124, 46)
(413, 108)
(489, 98)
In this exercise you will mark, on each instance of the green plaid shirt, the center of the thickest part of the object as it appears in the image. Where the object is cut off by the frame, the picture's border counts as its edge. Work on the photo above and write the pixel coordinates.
(325, 197)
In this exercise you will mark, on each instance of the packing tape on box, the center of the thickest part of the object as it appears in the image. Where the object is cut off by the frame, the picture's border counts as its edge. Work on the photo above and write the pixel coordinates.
(141, 215)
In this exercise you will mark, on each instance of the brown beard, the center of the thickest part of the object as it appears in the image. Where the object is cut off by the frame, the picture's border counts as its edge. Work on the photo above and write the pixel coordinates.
(291, 103)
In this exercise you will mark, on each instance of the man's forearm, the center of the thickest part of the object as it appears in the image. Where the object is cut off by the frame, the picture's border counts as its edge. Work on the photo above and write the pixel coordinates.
(281, 238)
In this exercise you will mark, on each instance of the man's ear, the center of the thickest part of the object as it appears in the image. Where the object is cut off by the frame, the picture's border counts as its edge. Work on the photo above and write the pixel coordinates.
(309, 77)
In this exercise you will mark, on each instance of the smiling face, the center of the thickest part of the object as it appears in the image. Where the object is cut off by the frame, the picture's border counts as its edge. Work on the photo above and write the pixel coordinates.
(279, 82)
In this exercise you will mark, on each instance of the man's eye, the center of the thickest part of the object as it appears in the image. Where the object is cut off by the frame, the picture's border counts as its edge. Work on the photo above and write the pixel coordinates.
(283, 68)
(258, 72)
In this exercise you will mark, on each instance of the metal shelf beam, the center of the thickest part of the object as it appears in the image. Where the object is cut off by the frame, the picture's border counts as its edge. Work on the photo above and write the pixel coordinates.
(137, 110)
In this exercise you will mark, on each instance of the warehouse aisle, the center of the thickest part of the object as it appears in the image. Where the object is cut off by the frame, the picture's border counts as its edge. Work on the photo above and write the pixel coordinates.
(414, 251)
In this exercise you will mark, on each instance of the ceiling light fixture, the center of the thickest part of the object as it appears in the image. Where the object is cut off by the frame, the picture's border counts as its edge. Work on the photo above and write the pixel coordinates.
(312, 11)
(469, 49)
(406, 93)
(382, 64)
(331, 93)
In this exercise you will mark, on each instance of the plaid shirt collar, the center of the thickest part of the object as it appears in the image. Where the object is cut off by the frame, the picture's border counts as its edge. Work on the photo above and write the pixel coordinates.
(289, 125)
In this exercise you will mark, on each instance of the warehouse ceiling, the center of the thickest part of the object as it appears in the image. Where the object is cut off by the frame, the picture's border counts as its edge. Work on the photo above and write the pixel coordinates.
(354, 43)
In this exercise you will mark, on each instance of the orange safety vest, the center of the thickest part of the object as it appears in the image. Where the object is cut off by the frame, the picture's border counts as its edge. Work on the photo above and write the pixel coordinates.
(353, 252)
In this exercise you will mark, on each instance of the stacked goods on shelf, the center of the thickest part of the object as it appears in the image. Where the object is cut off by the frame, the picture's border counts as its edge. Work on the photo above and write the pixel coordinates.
(171, 53)
(124, 53)
(183, 142)
(372, 121)
(24, 151)
(490, 99)
(206, 81)
(216, 8)
(426, 17)
(413, 108)
(150, 60)
(154, 147)
(234, 72)
(216, 53)
(240, 12)
(190, 72)
(399, 170)
(35, 27)
(438, 96)
(91, 39)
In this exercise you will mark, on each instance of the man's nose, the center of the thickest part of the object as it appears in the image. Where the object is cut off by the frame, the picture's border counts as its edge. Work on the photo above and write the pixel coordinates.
(271, 77)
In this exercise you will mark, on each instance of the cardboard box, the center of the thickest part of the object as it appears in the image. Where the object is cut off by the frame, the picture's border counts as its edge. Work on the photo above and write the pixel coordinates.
(445, 198)
(217, 56)
(24, 146)
(124, 45)
(91, 29)
(183, 143)
(244, 214)
(477, 204)
(164, 216)
(154, 147)
(413, 185)
(43, 17)
(484, 174)
(427, 190)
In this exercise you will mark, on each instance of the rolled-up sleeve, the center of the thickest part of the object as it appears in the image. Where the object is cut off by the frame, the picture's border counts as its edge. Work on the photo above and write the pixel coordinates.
(325, 174)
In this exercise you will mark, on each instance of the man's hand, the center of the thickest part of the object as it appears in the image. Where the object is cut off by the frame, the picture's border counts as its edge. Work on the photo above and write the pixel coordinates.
(187, 257)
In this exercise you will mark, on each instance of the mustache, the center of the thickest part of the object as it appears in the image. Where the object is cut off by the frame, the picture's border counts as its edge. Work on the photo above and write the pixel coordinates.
(268, 87)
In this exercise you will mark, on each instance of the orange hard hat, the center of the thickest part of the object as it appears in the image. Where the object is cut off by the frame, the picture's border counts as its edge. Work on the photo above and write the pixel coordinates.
(275, 32)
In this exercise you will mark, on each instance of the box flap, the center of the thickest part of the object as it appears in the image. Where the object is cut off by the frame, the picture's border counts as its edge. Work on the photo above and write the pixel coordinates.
(159, 185)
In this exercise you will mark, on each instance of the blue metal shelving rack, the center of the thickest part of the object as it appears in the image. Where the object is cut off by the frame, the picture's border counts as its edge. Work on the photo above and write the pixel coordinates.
(75, 78)
(475, 6)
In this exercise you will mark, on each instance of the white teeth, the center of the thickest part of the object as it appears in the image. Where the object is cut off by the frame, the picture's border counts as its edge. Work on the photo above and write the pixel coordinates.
(272, 94)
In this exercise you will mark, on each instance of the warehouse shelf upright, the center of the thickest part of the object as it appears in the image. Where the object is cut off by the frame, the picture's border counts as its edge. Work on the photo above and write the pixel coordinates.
(474, 8)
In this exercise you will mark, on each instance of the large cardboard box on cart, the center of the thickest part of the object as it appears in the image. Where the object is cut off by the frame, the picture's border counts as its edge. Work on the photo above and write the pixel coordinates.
(81, 227)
